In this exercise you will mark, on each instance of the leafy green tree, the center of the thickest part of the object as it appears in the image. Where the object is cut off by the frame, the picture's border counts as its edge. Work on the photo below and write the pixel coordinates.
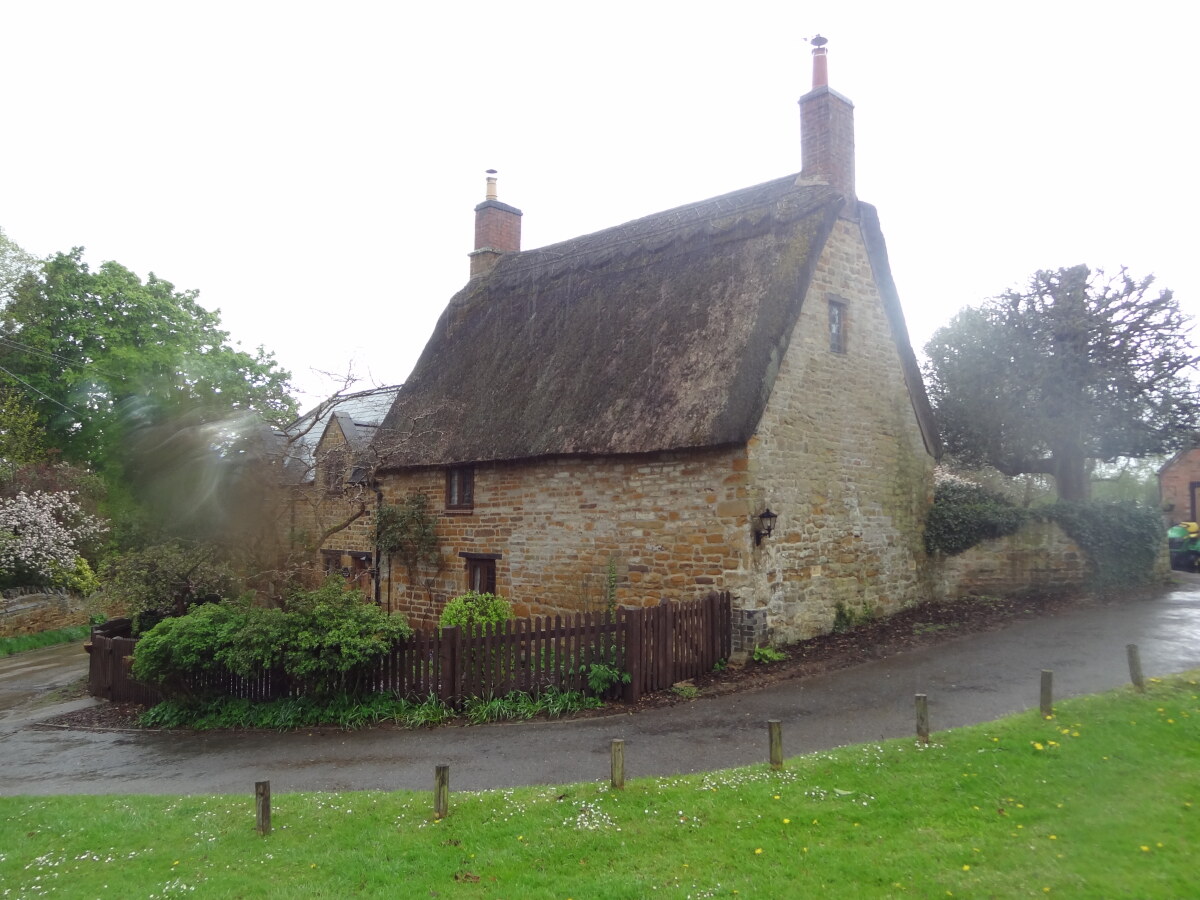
(15, 264)
(101, 354)
(1076, 368)
(22, 439)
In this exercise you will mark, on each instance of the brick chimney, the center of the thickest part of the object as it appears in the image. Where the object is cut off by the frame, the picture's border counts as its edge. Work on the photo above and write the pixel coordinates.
(827, 131)
(497, 230)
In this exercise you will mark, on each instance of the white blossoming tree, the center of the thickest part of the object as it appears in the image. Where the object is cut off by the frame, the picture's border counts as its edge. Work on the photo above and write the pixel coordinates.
(41, 535)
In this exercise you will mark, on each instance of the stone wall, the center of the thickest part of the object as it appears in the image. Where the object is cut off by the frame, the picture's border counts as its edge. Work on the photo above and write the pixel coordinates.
(840, 457)
(1039, 557)
(670, 525)
(28, 612)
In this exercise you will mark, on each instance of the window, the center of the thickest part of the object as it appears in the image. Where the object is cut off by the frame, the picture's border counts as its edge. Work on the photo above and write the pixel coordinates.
(481, 571)
(332, 560)
(837, 326)
(334, 465)
(460, 488)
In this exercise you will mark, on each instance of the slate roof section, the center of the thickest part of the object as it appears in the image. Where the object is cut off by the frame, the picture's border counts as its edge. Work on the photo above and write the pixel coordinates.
(664, 333)
(359, 414)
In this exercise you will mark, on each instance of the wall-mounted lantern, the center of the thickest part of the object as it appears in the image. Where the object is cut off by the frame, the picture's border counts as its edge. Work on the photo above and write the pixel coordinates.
(764, 525)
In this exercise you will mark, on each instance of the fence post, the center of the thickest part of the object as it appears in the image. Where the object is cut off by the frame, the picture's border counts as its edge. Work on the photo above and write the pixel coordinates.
(617, 764)
(441, 791)
(726, 625)
(668, 645)
(631, 621)
(1135, 667)
(450, 669)
(775, 732)
(923, 718)
(262, 806)
(1047, 693)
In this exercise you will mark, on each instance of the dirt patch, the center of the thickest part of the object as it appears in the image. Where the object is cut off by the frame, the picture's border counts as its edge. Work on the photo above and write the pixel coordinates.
(925, 625)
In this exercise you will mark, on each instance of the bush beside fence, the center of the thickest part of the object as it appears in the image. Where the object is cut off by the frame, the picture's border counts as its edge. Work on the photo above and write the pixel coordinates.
(656, 646)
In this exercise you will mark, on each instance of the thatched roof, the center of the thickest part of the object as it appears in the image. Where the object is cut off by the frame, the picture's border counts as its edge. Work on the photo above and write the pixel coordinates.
(663, 333)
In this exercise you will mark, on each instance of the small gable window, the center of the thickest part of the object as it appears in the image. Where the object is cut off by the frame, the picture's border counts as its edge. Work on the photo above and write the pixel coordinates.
(335, 472)
(460, 488)
(837, 326)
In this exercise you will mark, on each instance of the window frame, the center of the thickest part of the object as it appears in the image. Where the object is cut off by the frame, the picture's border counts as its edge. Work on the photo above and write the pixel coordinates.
(460, 488)
(837, 316)
(334, 465)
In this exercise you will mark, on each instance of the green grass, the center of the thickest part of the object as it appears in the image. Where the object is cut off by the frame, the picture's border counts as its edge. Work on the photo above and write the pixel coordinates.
(1099, 801)
(11, 645)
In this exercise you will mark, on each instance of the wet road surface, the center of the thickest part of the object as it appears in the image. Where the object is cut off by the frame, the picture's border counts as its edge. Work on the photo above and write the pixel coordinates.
(27, 676)
(971, 679)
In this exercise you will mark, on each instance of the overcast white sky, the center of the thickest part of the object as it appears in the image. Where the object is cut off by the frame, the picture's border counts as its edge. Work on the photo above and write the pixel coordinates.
(312, 168)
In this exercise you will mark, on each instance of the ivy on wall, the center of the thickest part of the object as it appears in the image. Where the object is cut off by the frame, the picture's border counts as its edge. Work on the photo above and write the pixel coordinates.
(965, 514)
(1122, 539)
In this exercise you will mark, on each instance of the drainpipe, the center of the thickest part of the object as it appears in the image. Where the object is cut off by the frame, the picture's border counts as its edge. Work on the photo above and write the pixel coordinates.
(378, 506)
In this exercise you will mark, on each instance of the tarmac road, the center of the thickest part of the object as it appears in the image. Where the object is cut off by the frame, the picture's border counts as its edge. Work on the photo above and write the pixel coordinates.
(971, 679)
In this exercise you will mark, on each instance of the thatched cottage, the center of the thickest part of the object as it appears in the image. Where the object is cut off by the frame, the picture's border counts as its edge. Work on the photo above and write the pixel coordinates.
(720, 396)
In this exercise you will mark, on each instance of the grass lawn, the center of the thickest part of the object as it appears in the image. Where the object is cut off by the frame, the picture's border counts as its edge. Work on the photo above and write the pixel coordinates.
(11, 645)
(1099, 801)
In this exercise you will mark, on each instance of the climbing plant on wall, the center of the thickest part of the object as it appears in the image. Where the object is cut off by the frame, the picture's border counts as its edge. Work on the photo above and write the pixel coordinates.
(407, 531)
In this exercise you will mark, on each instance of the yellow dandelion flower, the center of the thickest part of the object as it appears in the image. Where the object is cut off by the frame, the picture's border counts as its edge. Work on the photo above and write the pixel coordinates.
(966, 868)
(1145, 849)
(758, 851)
(787, 821)
(1038, 746)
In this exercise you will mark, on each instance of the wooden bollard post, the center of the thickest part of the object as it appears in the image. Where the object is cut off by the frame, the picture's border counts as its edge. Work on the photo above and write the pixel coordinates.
(1135, 667)
(618, 764)
(923, 718)
(775, 731)
(262, 806)
(1047, 693)
(441, 792)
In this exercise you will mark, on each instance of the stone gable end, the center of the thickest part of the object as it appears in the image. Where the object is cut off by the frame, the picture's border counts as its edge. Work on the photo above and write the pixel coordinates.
(840, 458)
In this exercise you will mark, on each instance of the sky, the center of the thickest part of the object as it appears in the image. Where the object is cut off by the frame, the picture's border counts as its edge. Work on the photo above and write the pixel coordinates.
(312, 168)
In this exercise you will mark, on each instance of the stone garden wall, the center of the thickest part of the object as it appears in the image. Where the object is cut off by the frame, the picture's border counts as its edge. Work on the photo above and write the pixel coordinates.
(1039, 557)
(27, 611)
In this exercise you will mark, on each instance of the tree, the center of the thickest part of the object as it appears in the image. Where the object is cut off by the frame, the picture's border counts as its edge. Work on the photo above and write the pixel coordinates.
(1077, 368)
(102, 357)
(41, 536)
(22, 440)
(15, 264)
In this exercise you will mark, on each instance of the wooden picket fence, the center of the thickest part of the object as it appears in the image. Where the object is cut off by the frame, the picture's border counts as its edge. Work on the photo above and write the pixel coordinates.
(657, 646)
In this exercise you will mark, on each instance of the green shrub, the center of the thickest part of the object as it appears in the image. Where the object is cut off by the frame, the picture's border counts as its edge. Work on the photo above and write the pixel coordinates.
(163, 580)
(964, 514)
(332, 638)
(766, 655)
(325, 643)
(471, 610)
(78, 580)
(180, 649)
